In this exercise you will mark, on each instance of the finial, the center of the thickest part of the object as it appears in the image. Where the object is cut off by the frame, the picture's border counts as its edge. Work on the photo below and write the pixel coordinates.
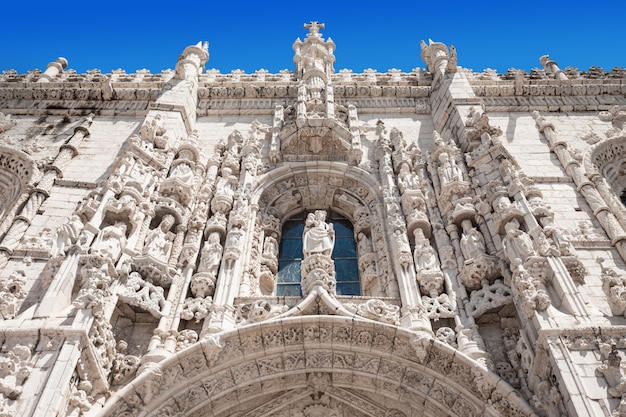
(314, 28)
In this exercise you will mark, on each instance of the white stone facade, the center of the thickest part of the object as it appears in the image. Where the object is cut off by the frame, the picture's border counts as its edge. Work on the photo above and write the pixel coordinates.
(141, 218)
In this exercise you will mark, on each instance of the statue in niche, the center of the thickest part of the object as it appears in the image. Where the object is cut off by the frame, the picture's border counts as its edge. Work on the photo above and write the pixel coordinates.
(159, 241)
(183, 173)
(517, 244)
(472, 241)
(66, 235)
(270, 246)
(401, 241)
(407, 180)
(424, 255)
(449, 171)
(364, 244)
(211, 255)
(110, 241)
(318, 237)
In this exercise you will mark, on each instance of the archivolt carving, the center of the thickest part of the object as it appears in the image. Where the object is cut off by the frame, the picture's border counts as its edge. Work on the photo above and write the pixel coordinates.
(17, 170)
(371, 364)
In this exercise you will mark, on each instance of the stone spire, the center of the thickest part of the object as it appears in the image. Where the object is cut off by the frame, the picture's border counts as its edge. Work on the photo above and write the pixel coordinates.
(314, 56)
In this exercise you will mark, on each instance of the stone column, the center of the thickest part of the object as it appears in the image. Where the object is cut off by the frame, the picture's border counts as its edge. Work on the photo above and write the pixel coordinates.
(54, 68)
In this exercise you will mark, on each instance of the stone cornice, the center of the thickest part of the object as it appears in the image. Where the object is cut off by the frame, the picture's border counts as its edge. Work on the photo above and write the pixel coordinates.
(239, 93)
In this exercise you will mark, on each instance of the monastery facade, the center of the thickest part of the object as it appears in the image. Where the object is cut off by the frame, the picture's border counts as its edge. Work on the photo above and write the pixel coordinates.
(313, 243)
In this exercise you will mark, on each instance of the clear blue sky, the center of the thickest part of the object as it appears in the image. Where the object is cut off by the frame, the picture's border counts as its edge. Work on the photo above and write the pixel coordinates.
(254, 35)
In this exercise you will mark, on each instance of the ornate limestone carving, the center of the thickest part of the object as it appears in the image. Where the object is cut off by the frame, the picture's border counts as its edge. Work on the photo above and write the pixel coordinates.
(158, 243)
(489, 297)
(438, 306)
(143, 294)
(110, 241)
(617, 116)
(256, 311)
(12, 293)
(517, 244)
(614, 286)
(375, 309)
(446, 335)
(530, 289)
(196, 308)
(6, 123)
(15, 367)
(66, 235)
(124, 366)
(154, 132)
(95, 274)
(611, 370)
(318, 237)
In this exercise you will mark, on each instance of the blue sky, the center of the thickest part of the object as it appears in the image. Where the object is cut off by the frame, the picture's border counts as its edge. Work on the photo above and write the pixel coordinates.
(254, 35)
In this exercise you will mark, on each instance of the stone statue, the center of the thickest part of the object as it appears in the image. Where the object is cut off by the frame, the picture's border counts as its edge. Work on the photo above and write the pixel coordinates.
(449, 170)
(158, 243)
(318, 236)
(472, 241)
(110, 241)
(270, 246)
(182, 172)
(365, 244)
(517, 244)
(424, 255)
(211, 255)
(66, 235)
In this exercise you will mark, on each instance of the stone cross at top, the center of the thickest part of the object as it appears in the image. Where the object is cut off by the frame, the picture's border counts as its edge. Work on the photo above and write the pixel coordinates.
(314, 28)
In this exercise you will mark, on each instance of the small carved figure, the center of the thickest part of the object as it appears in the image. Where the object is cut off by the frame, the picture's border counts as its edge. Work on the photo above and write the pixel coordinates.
(472, 241)
(517, 243)
(182, 172)
(449, 170)
(211, 255)
(365, 244)
(424, 255)
(270, 247)
(66, 235)
(159, 241)
(110, 241)
(318, 236)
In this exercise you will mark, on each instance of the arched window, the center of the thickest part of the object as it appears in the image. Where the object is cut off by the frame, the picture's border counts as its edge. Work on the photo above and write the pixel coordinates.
(344, 255)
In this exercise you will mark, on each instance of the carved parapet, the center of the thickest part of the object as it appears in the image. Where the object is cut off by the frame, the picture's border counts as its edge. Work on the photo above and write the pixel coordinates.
(475, 270)
(489, 298)
(318, 269)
